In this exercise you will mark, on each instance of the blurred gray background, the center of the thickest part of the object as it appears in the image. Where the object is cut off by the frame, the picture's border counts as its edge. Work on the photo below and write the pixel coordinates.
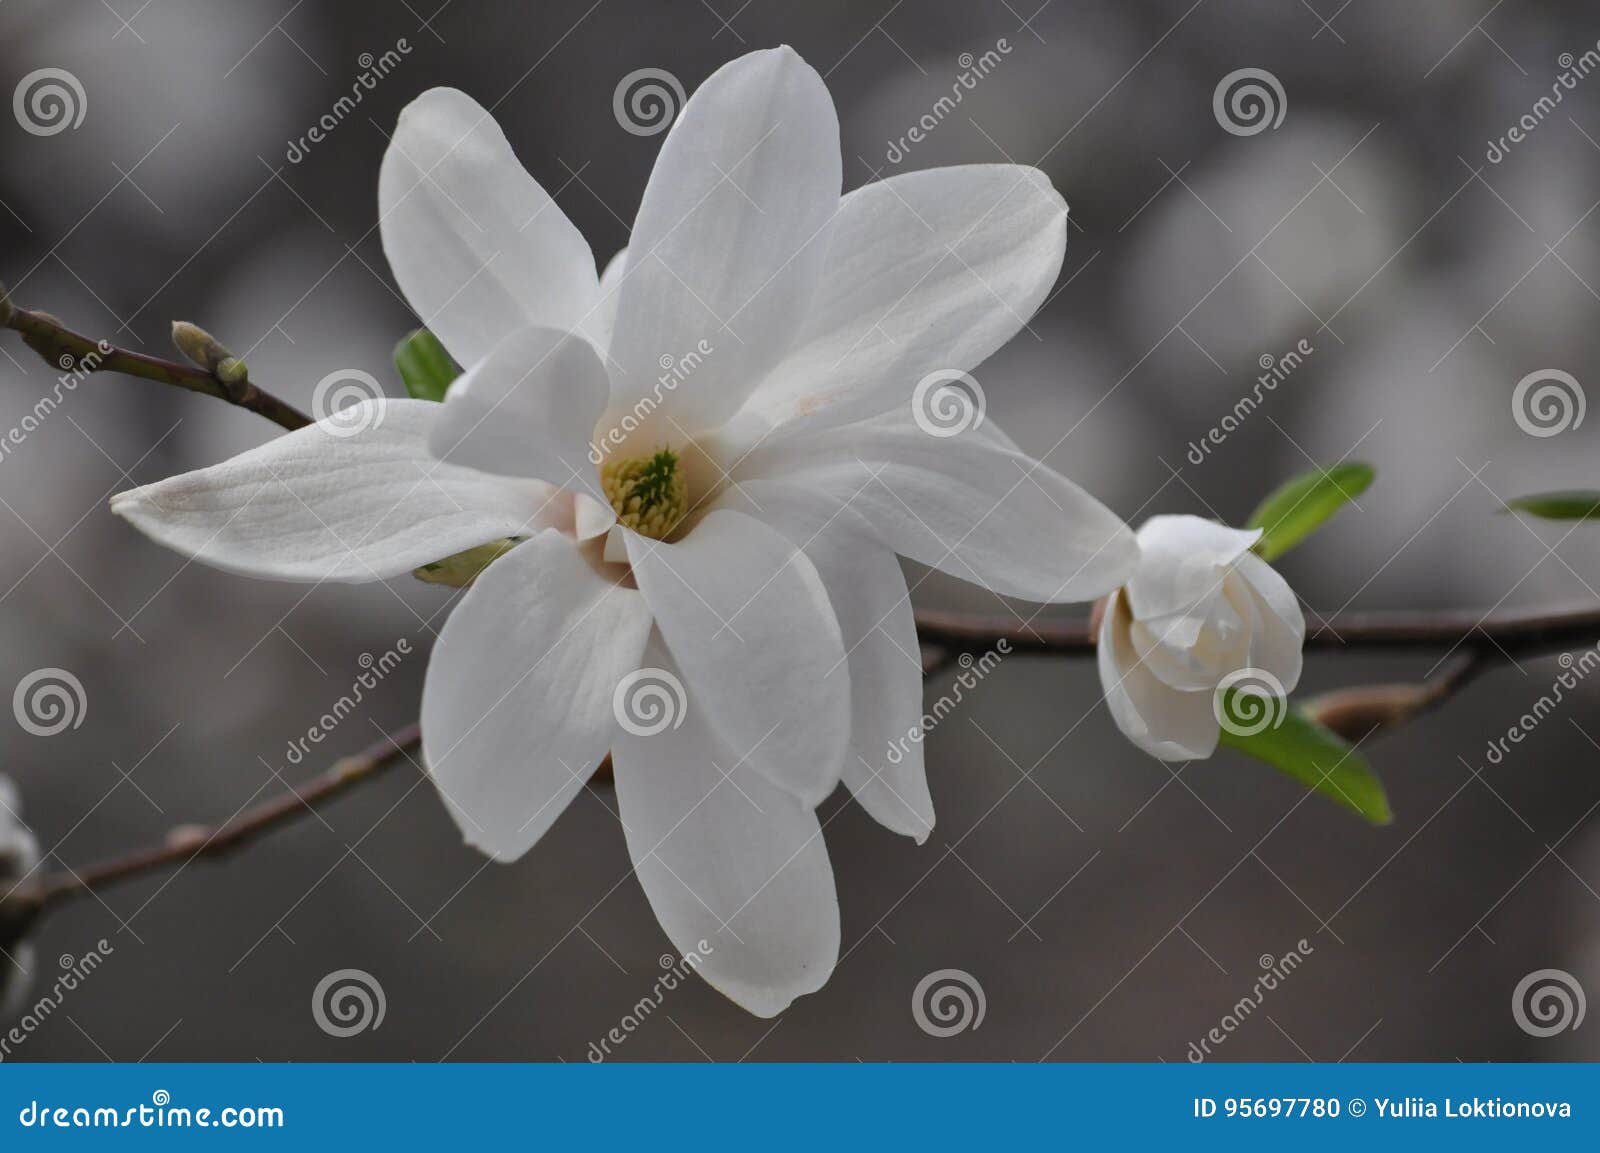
(1108, 909)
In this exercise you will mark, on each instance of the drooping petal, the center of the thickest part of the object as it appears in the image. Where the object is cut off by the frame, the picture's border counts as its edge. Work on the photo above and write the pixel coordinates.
(747, 619)
(1278, 643)
(517, 707)
(1183, 561)
(962, 504)
(527, 409)
(883, 766)
(598, 327)
(735, 868)
(478, 247)
(925, 270)
(357, 500)
(1167, 723)
(730, 237)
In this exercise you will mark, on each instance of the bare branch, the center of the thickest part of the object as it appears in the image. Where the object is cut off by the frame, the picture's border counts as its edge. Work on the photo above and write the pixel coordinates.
(68, 351)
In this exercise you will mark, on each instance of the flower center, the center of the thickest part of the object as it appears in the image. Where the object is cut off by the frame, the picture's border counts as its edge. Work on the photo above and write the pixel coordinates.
(649, 493)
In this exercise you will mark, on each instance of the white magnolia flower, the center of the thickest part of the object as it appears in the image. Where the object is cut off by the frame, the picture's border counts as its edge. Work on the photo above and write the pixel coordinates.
(19, 856)
(1200, 606)
(737, 536)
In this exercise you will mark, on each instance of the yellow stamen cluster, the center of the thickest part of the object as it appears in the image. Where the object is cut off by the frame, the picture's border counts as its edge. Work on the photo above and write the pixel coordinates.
(649, 493)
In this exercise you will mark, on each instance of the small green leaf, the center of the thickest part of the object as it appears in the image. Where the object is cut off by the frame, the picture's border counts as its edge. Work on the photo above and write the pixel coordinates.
(1298, 508)
(1310, 753)
(1564, 504)
(424, 365)
(463, 568)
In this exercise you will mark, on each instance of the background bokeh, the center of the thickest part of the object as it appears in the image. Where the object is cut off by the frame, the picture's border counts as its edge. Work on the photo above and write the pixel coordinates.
(1109, 907)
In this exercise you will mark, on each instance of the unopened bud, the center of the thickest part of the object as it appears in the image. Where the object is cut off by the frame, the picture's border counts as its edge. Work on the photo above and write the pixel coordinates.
(1354, 713)
(19, 856)
(207, 352)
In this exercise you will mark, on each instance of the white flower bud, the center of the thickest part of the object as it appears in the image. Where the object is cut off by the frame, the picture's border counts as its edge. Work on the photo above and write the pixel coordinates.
(1199, 607)
(19, 854)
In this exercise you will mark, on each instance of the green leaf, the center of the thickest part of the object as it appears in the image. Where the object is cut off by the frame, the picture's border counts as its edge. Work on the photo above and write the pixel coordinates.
(460, 570)
(1563, 504)
(424, 365)
(1308, 752)
(1300, 506)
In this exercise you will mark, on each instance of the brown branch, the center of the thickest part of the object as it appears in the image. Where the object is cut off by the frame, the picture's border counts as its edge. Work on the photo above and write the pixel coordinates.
(188, 842)
(1507, 635)
(1481, 640)
(69, 351)
(1358, 712)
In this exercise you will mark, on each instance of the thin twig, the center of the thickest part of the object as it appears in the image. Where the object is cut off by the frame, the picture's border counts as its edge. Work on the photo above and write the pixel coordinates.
(186, 843)
(69, 351)
(1509, 634)
(1481, 641)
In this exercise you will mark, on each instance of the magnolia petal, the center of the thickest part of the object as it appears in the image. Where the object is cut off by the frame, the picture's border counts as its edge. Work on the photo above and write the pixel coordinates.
(926, 270)
(735, 868)
(1183, 561)
(517, 707)
(883, 767)
(359, 499)
(747, 619)
(477, 246)
(527, 409)
(1277, 645)
(602, 321)
(962, 504)
(1166, 723)
(730, 237)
